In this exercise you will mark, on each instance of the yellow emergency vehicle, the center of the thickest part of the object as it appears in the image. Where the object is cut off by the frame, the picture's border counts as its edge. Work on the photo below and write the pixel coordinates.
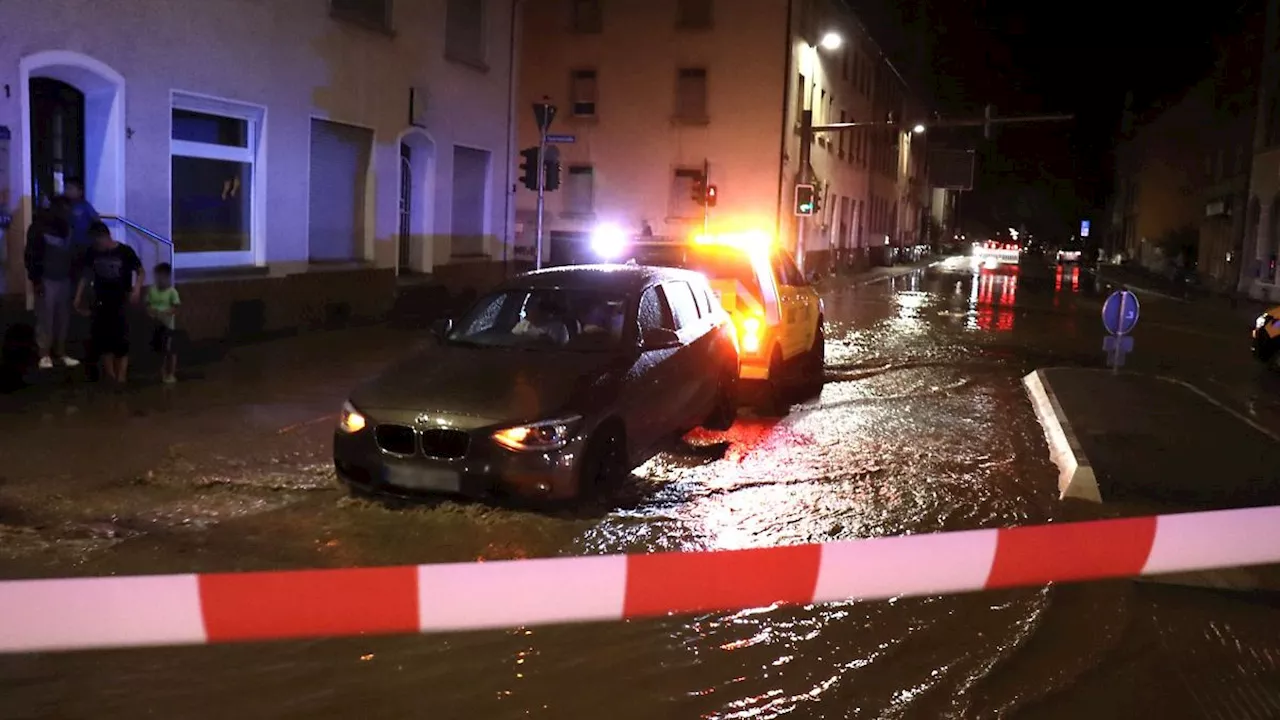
(777, 313)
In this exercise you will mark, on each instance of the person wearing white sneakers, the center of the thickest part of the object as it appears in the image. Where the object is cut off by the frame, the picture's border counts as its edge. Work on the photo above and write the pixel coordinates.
(51, 262)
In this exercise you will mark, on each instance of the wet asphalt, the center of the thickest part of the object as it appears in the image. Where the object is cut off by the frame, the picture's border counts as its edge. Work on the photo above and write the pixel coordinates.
(923, 426)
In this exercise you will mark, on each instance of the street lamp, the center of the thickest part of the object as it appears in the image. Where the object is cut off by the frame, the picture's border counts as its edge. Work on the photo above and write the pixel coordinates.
(832, 41)
(918, 129)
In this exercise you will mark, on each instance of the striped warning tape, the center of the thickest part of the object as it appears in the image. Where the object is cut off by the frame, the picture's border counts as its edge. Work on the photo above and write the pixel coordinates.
(77, 613)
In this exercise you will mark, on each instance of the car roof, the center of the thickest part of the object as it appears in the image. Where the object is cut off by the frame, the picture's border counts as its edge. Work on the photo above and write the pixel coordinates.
(627, 278)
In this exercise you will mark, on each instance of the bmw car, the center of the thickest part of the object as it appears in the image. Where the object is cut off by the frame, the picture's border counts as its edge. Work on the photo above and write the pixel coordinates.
(551, 386)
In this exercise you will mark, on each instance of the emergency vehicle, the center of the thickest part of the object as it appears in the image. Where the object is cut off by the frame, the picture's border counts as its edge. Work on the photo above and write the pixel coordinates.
(777, 313)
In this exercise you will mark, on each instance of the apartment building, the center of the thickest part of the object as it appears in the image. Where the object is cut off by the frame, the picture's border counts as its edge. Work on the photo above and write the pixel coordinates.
(657, 92)
(290, 157)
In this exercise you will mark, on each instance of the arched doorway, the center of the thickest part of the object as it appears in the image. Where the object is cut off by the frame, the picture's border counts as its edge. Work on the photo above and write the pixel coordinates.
(417, 192)
(73, 125)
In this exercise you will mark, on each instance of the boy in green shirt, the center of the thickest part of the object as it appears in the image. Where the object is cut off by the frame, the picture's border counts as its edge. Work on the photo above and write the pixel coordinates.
(162, 305)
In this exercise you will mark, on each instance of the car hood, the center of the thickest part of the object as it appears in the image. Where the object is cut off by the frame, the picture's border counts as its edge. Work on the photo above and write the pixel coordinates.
(491, 384)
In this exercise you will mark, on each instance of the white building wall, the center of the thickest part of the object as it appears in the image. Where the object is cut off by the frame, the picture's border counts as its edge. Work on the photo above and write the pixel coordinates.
(291, 58)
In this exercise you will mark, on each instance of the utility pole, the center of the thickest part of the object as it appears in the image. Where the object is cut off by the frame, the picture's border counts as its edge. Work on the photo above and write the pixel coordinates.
(544, 112)
(706, 190)
(805, 178)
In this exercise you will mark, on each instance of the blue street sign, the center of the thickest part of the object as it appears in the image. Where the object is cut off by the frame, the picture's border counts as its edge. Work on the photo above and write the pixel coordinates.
(1084, 228)
(1120, 312)
(562, 139)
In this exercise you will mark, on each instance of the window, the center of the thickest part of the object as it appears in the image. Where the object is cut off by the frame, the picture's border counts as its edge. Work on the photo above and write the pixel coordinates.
(464, 32)
(693, 14)
(703, 295)
(213, 181)
(373, 14)
(682, 303)
(654, 312)
(691, 95)
(785, 271)
(579, 190)
(682, 203)
(582, 93)
(586, 16)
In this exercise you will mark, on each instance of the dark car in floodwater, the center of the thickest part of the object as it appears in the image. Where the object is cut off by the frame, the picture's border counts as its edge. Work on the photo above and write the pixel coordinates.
(550, 386)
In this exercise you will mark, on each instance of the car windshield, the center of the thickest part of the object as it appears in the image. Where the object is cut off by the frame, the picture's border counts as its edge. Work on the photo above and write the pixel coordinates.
(551, 318)
(724, 264)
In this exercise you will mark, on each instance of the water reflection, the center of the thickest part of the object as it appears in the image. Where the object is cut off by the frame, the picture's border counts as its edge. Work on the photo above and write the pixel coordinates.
(991, 300)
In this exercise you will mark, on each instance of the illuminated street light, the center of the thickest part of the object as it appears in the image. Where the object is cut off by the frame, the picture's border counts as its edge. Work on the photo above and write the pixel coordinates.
(918, 129)
(832, 41)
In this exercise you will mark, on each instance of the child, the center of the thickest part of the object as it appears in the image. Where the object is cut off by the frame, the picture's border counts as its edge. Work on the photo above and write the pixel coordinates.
(162, 306)
(117, 277)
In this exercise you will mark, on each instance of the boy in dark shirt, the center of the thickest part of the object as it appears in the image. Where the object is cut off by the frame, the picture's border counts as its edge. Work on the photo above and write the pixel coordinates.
(51, 268)
(117, 276)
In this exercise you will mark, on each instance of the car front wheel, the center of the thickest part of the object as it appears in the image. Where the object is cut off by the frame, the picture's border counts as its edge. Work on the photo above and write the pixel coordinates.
(725, 412)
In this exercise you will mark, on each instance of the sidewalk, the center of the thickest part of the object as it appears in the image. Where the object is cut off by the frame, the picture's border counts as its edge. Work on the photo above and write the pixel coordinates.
(870, 275)
(1141, 445)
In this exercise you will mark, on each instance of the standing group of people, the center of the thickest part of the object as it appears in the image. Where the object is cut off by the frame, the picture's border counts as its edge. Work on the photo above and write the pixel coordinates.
(70, 250)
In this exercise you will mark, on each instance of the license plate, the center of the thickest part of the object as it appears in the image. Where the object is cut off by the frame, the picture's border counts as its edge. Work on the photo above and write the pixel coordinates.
(423, 478)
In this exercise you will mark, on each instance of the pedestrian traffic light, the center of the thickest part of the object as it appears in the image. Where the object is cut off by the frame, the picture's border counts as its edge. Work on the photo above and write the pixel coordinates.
(529, 168)
(712, 195)
(552, 181)
(699, 191)
(806, 200)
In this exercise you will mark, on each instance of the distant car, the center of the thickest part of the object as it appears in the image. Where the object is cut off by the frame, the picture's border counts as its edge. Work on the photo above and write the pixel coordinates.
(1069, 256)
(991, 254)
(776, 310)
(552, 385)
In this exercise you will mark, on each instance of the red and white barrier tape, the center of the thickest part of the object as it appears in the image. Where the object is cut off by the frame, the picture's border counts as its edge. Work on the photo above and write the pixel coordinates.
(101, 612)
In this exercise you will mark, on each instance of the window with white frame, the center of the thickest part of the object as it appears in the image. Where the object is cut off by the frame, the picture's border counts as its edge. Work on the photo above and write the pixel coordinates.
(579, 190)
(582, 93)
(586, 17)
(464, 36)
(214, 184)
(691, 95)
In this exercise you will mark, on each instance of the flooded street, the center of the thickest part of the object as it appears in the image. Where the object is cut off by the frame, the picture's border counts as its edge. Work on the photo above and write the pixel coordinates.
(923, 426)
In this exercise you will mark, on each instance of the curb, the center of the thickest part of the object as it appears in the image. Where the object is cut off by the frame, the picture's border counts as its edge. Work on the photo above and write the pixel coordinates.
(1075, 474)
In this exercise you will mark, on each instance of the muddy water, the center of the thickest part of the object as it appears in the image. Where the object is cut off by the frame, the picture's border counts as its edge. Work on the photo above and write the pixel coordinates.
(922, 427)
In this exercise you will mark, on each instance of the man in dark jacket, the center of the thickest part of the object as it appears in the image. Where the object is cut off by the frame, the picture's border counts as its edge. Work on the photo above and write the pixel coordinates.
(51, 268)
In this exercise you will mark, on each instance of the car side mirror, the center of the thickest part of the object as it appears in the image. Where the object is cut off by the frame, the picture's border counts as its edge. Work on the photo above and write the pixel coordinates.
(659, 339)
(441, 328)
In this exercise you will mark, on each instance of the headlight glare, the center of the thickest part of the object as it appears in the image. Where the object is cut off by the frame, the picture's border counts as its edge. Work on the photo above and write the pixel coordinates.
(351, 420)
(539, 436)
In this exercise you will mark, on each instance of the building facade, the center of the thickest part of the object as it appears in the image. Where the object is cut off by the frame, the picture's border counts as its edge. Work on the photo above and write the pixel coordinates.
(658, 92)
(291, 157)
(1260, 273)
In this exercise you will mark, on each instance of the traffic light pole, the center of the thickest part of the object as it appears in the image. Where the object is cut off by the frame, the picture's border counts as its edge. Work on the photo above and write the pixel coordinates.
(542, 197)
(706, 206)
(805, 177)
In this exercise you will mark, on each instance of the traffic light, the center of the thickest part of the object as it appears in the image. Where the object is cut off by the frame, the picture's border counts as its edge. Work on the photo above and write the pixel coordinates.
(699, 192)
(806, 200)
(712, 195)
(529, 168)
(552, 182)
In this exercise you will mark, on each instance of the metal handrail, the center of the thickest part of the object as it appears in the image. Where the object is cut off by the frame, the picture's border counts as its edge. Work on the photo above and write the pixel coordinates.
(149, 234)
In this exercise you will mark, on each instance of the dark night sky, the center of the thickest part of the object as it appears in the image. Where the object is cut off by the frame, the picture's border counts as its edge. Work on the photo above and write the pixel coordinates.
(1031, 58)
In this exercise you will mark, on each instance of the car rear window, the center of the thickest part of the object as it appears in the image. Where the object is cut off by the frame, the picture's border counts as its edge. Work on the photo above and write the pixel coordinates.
(720, 264)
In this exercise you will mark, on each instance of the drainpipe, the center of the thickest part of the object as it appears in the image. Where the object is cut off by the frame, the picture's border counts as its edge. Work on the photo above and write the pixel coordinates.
(508, 236)
(789, 55)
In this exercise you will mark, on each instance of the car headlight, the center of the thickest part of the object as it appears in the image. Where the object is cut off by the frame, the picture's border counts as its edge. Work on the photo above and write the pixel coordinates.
(539, 436)
(1260, 322)
(351, 420)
